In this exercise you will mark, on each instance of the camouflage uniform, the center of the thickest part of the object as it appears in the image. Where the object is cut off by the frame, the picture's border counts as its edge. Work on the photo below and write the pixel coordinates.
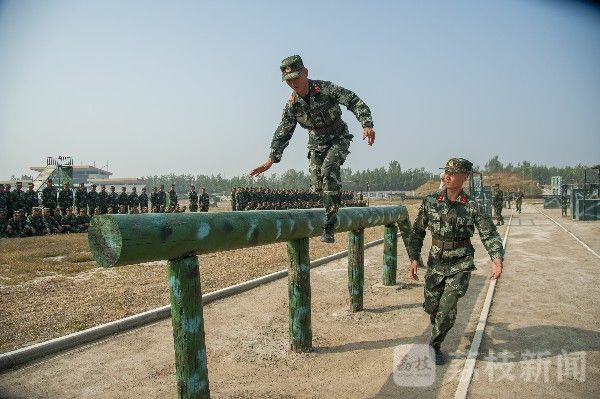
(519, 201)
(103, 200)
(49, 197)
(18, 226)
(233, 199)
(497, 202)
(328, 136)
(113, 199)
(18, 198)
(3, 200)
(193, 198)
(38, 224)
(123, 199)
(173, 197)
(65, 199)
(81, 198)
(93, 201)
(450, 262)
(143, 198)
(205, 202)
(134, 199)
(161, 199)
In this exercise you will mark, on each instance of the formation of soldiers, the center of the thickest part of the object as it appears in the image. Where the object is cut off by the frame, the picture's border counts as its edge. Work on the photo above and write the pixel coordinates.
(256, 198)
(25, 213)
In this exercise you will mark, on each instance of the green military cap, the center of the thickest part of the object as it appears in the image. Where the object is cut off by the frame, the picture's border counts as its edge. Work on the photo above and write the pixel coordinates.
(291, 67)
(458, 165)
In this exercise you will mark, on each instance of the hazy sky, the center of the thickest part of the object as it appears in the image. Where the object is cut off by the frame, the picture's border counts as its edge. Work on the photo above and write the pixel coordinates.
(194, 87)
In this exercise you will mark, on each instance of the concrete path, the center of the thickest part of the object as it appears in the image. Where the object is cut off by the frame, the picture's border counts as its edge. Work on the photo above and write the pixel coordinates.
(544, 303)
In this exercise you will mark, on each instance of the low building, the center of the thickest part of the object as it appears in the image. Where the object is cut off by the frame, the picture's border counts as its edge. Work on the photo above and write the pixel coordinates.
(82, 173)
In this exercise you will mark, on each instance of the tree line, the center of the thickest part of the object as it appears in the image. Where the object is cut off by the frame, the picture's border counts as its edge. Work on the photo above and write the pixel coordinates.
(392, 178)
(539, 173)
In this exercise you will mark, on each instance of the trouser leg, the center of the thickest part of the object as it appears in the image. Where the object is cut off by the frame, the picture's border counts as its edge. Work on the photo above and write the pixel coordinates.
(453, 288)
(330, 174)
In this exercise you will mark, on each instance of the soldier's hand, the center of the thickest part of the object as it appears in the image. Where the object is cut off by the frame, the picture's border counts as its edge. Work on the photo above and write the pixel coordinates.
(413, 270)
(369, 134)
(261, 168)
(496, 269)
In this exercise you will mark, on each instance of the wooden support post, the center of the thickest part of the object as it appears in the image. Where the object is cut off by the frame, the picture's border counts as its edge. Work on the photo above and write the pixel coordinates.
(390, 254)
(188, 328)
(356, 268)
(300, 330)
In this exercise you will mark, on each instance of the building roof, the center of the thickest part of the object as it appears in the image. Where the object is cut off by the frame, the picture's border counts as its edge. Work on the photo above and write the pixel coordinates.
(80, 168)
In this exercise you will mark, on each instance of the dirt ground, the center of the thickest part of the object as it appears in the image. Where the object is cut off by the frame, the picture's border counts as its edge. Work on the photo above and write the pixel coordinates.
(50, 286)
(542, 340)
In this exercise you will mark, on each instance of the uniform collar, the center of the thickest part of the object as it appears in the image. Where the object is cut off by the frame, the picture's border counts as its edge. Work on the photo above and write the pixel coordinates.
(443, 197)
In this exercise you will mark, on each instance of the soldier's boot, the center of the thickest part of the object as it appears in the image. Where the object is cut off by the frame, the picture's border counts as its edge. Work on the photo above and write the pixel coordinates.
(328, 235)
(432, 319)
(438, 356)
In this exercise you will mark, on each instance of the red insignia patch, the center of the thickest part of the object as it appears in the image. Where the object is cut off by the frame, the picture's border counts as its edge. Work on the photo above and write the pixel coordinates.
(293, 98)
(463, 200)
(317, 89)
(440, 197)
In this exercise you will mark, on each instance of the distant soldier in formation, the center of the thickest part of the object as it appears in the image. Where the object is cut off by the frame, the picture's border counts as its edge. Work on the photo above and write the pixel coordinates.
(3, 202)
(154, 199)
(81, 197)
(134, 199)
(65, 198)
(103, 199)
(193, 198)
(144, 200)
(564, 200)
(31, 199)
(497, 202)
(113, 200)
(82, 222)
(161, 198)
(68, 221)
(18, 226)
(18, 197)
(3, 222)
(55, 222)
(49, 196)
(204, 200)
(509, 197)
(93, 200)
(51, 224)
(123, 200)
(8, 200)
(172, 197)
(519, 200)
(37, 223)
(233, 199)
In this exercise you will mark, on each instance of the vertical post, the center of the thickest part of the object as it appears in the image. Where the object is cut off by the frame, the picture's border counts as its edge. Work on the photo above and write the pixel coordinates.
(390, 254)
(188, 328)
(300, 330)
(356, 268)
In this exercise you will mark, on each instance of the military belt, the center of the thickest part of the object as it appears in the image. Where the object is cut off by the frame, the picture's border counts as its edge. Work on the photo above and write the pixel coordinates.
(331, 128)
(451, 244)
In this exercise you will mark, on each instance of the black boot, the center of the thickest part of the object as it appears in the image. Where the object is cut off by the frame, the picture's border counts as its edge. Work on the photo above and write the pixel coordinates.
(328, 235)
(438, 356)
(432, 319)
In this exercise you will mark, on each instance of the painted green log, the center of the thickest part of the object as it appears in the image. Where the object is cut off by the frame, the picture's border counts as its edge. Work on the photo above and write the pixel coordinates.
(405, 228)
(356, 268)
(117, 240)
(188, 328)
(300, 329)
(390, 254)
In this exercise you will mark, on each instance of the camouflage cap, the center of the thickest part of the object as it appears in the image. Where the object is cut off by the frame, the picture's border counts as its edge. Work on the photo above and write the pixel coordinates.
(458, 165)
(291, 67)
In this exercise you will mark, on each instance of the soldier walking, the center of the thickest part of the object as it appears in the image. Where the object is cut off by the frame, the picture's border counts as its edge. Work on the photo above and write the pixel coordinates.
(451, 216)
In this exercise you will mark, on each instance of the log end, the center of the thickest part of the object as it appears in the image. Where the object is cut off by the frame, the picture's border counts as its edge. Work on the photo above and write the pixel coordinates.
(105, 240)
